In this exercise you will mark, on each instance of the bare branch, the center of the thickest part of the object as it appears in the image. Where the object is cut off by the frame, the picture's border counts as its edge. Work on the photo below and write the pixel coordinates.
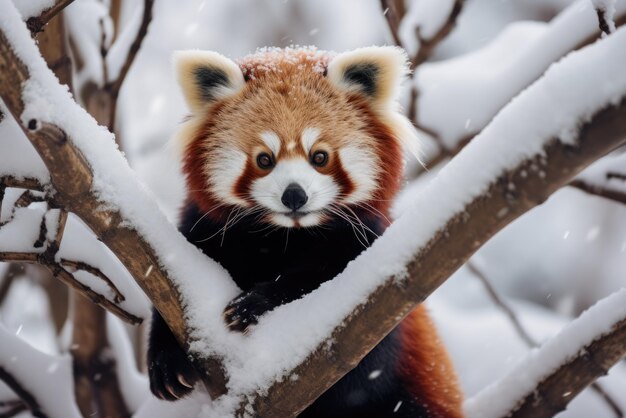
(525, 336)
(614, 195)
(36, 24)
(605, 24)
(79, 265)
(12, 408)
(115, 86)
(393, 10)
(21, 183)
(26, 397)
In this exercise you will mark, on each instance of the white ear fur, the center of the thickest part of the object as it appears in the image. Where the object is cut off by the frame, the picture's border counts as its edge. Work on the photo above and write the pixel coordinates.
(375, 71)
(206, 76)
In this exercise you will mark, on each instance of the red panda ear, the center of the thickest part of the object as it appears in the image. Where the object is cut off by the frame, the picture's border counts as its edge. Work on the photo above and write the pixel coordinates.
(374, 71)
(206, 76)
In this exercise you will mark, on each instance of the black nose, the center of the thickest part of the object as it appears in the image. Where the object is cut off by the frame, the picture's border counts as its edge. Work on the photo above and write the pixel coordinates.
(294, 197)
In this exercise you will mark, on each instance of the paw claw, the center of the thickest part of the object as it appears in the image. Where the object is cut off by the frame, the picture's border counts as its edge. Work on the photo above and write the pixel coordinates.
(183, 381)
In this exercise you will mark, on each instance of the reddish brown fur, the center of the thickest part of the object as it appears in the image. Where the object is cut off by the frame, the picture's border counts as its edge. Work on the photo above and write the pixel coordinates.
(426, 367)
(287, 97)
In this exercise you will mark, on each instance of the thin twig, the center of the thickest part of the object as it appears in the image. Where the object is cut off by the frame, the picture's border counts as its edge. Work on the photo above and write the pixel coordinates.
(80, 265)
(22, 392)
(35, 24)
(22, 183)
(14, 410)
(525, 336)
(134, 47)
(611, 194)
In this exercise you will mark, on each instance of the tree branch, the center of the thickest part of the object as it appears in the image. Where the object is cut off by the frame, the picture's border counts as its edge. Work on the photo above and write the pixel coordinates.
(36, 24)
(586, 357)
(607, 193)
(71, 177)
(116, 84)
(444, 152)
(26, 397)
(525, 336)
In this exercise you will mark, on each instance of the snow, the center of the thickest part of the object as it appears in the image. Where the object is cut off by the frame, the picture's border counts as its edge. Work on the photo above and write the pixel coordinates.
(502, 396)
(133, 384)
(32, 8)
(40, 375)
(18, 157)
(80, 244)
(449, 90)
(426, 16)
(21, 233)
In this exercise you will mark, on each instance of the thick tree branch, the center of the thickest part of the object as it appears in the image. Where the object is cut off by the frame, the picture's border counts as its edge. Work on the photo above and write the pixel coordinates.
(526, 337)
(594, 360)
(71, 177)
(441, 256)
(542, 385)
(36, 24)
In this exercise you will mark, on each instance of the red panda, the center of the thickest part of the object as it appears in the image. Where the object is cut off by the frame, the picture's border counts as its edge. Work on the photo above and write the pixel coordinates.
(292, 159)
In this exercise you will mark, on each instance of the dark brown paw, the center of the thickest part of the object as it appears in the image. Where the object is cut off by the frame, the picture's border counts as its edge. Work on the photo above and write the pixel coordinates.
(172, 375)
(244, 311)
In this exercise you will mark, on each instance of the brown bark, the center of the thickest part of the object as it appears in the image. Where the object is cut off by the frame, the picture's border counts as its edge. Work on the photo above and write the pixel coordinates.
(594, 360)
(96, 382)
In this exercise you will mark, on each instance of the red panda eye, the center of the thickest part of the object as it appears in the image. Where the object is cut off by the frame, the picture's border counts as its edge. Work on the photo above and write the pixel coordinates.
(320, 158)
(264, 161)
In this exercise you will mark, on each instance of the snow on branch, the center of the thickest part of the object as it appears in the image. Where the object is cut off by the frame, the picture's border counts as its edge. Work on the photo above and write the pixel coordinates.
(606, 178)
(42, 381)
(34, 236)
(536, 144)
(92, 180)
(544, 382)
(514, 59)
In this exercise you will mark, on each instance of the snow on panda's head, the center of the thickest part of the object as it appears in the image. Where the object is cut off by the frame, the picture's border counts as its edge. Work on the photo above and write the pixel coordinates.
(294, 137)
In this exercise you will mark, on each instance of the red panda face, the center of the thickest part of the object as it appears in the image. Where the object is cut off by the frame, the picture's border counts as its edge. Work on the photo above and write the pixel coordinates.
(294, 138)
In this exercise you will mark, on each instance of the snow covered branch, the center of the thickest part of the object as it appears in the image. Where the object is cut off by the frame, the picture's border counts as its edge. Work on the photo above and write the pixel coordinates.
(516, 58)
(544, 383)
(73, 178)
(36, 23)
(481, 197)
